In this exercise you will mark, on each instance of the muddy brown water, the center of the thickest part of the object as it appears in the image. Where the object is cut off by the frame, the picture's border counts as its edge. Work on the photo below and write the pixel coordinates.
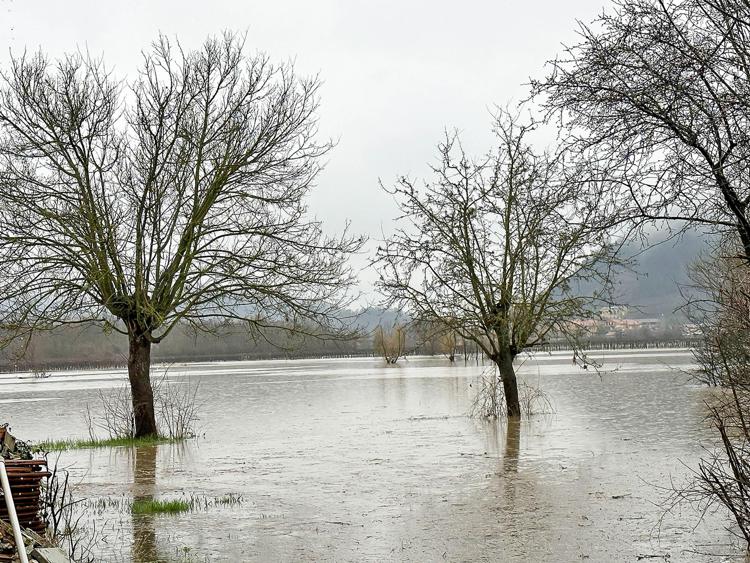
(351, 460)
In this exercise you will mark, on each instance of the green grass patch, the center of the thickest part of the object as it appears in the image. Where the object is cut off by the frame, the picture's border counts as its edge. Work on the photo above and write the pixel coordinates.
(160, 506)
(124, 504)
(87, 443)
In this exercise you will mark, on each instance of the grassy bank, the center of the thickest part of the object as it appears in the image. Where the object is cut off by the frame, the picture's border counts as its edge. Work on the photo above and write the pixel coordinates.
(88, 443)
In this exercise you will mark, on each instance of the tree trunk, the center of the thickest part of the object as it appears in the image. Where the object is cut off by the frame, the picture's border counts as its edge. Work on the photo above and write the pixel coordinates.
(139, 368)
(504, 363)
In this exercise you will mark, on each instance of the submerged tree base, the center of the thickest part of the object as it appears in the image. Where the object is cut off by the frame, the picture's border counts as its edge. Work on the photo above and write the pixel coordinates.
(490, 403)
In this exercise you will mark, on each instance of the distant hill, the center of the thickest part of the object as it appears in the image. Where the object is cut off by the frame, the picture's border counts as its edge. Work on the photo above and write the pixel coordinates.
(370, 318)
(653, 289)
(650, 289)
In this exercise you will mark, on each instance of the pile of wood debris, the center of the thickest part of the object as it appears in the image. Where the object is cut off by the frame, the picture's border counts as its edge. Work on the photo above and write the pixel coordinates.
(38, 548)
(11, 447)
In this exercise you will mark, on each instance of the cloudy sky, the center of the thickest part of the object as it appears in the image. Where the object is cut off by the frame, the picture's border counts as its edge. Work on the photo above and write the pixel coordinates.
(395, 73)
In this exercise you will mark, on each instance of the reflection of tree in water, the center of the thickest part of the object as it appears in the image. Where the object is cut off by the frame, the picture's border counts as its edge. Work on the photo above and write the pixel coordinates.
(512, 445)
(144, 487)
(503, 438)
(508, 471)
(503, 442)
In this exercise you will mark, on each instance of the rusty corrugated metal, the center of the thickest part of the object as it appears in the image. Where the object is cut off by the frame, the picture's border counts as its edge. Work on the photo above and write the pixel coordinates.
(25, 476)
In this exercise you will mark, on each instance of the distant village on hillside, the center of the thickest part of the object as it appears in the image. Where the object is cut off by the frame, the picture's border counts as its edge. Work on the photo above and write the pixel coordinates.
(616, 323)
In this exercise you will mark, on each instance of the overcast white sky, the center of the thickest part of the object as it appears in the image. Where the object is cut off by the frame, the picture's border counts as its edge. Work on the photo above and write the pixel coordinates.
(395, 73)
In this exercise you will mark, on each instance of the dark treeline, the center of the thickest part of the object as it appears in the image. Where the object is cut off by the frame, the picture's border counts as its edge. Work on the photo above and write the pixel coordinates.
(88, 346)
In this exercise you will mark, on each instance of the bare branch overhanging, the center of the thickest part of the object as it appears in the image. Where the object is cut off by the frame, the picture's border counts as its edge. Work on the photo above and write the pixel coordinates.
(661, 88)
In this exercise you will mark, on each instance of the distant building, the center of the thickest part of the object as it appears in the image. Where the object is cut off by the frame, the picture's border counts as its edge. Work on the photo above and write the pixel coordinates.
(613, 312)
(690, 330)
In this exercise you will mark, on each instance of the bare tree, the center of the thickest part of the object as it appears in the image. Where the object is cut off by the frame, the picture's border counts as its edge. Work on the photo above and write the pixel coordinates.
(662, 87)
(720, 305)
(492, 249)
(718, 302)
(390, 345)
(175, 198)
(448, 342)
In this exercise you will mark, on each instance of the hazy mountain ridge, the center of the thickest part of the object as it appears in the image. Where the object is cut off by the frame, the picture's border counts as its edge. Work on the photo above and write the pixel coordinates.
(652, 288)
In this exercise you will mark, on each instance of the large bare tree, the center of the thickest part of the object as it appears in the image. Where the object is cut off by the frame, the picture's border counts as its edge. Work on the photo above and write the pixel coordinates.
(720, 306)
(663, 88)
(494, 249)
(177, 197)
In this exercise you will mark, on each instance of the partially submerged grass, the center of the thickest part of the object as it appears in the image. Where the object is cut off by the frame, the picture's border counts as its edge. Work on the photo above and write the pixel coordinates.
(153, 506)
(191, 503)
(88, 443)
(227, 500)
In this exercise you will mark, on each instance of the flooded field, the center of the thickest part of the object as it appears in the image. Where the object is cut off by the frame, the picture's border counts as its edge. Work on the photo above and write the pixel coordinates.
(350, 460)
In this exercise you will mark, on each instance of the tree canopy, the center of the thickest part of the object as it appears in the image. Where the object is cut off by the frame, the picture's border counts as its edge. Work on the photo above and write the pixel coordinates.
(493, 248)
(176, 197)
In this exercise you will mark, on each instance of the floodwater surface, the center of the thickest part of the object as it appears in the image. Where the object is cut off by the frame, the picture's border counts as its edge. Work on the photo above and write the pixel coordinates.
(352, 460)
